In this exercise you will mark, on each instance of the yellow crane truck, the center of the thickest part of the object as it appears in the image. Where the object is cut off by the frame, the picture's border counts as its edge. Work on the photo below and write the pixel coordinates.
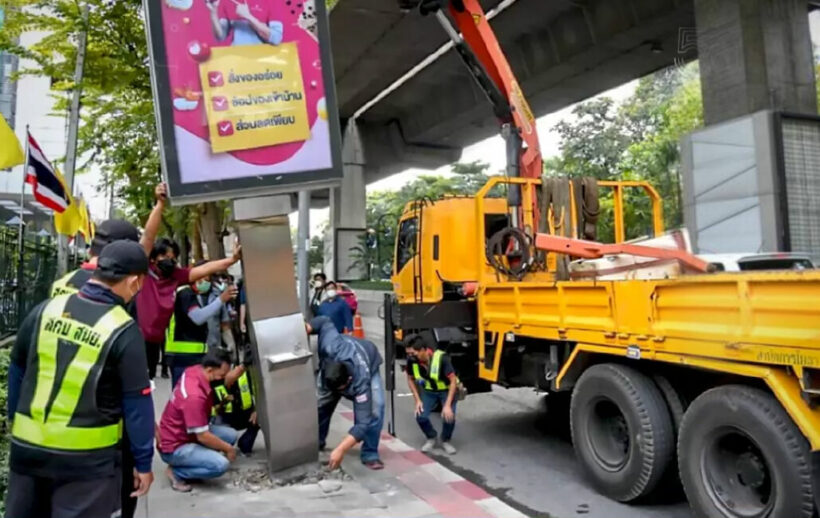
(716, 375)
(712, 378)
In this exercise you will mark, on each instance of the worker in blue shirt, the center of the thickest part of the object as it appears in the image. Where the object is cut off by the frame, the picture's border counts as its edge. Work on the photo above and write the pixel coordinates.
(349, 367)
(335, 308)
(87, 352)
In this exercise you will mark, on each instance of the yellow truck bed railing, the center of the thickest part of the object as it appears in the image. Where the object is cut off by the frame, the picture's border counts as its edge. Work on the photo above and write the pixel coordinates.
(764, 325)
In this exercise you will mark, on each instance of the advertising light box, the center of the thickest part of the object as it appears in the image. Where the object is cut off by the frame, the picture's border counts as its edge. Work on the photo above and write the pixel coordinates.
(244, 96)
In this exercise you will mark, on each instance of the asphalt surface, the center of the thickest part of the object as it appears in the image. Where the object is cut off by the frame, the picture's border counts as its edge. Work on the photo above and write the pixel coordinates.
(509, 445)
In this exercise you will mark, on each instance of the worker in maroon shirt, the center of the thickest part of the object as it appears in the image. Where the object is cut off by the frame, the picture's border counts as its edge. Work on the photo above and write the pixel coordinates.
(155, 302)
(191, 446)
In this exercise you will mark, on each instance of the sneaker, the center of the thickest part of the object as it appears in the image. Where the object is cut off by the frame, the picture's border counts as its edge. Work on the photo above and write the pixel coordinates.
(448, 448)
(428, 446)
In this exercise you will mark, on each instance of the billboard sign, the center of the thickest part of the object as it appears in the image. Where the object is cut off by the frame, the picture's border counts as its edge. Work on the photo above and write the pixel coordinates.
(244, 96)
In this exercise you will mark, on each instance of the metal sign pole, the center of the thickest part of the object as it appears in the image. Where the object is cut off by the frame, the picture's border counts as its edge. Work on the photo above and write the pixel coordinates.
(283, 372)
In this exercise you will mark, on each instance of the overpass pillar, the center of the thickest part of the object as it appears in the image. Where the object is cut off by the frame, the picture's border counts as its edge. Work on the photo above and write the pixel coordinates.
(754, 55)
(347, 207)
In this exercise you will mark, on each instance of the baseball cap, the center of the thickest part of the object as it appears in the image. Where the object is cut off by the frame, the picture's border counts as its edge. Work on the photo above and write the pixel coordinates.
(112, 230)
(121, 258)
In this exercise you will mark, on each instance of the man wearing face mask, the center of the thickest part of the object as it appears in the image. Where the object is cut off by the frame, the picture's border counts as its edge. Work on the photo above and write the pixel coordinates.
(186, 340)
(319, 280)
(335, 308)
(155, 303)
(88, 354)
(107, 232)
(191, 446)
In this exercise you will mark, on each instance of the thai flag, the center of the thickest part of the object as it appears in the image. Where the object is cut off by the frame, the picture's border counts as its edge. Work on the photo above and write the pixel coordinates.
(48, 189)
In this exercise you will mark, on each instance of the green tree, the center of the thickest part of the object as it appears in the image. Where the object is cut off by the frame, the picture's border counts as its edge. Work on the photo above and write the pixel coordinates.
(636, 140)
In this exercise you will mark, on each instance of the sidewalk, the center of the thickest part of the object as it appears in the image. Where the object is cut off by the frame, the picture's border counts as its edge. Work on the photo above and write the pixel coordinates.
(412, 485)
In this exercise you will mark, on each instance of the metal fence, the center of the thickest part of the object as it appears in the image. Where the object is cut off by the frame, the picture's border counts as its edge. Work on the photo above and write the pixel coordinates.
(23, 286)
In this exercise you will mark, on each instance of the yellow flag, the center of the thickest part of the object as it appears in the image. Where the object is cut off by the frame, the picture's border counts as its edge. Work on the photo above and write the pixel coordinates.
(83, 209)
(69, 221)
(11, 154)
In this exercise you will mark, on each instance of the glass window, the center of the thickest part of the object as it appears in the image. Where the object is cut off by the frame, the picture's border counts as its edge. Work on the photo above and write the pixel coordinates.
(406, 247)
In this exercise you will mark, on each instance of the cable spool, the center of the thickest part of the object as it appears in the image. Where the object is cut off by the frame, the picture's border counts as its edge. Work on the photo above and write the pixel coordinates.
(513, 244)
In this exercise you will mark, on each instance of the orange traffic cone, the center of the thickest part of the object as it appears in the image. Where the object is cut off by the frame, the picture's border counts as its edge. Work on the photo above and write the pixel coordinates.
(358, 330)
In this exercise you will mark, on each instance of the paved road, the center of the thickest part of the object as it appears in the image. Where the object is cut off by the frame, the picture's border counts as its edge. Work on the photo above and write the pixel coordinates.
(508, 446)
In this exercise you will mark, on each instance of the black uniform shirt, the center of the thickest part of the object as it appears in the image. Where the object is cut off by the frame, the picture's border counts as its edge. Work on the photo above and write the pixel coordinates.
(125, 373)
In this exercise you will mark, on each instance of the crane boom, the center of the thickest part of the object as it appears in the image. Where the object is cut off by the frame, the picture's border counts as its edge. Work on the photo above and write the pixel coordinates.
(480, 40)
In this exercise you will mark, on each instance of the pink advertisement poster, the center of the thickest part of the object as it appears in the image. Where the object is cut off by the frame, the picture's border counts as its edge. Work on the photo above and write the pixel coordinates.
(245, 101)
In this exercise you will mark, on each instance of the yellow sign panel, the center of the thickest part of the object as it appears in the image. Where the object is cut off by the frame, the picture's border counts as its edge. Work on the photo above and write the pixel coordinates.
(254, 97)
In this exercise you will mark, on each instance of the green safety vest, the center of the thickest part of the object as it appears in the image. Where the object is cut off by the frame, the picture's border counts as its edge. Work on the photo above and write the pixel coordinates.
(246, 397)
(49, 426)
(62, 287)
(432, 382)
(173, 346)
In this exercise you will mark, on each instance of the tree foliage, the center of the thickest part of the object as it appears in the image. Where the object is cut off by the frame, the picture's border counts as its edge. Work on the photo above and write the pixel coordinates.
(636, 140)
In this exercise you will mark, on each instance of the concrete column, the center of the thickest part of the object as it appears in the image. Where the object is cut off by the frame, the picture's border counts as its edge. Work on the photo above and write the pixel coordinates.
(754, 55)
(348, 201)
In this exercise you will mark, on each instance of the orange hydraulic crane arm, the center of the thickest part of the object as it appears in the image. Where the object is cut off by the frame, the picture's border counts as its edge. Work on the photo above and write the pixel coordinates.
(476, 44)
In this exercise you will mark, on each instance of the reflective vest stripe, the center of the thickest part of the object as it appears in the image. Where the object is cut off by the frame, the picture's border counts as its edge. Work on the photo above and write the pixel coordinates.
(61, 286)
(54, 430)
(221, 392)
(174, 347)
(181, 347)
(435, 367)
(59, 436)
(245, 391)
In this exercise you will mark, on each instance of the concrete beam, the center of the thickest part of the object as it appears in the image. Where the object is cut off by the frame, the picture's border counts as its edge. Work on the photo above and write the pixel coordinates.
(754, 55)
(561, 53)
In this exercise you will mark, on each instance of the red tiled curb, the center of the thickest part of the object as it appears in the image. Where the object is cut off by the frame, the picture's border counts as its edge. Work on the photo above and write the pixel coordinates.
(470, 490)
(417, 457)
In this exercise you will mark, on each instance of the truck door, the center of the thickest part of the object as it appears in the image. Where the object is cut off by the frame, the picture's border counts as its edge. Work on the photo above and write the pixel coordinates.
(405, 276)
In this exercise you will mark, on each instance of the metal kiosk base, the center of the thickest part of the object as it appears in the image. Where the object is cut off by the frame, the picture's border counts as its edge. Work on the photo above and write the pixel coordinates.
(283, 373)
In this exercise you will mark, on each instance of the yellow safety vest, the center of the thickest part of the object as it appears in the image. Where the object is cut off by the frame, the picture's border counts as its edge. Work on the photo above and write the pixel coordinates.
(62, 287)
(246, 398)
(173, 346)
(432, 382)
(51, 429)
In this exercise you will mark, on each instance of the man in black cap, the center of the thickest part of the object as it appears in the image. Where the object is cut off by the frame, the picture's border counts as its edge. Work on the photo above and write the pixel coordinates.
(78, 370)
(109, 231)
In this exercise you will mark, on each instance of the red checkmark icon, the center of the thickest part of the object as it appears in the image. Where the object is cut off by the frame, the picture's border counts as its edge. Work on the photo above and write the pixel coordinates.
(219, 103)
(224, 128)
(215, 79)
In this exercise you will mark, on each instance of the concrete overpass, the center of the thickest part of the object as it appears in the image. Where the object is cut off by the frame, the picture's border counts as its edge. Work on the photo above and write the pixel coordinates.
(405, 100)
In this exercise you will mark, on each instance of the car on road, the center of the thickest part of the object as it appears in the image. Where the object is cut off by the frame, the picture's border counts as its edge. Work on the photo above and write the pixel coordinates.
(750, 262)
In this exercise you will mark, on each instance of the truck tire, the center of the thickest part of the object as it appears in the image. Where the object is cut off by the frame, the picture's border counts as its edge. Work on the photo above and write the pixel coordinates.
(621, 430)
(740, 455)
(670, 488)
(674, 400)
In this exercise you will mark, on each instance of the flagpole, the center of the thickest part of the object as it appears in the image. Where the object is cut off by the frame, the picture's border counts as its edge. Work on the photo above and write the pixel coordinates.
(22, 200)
(20, 232)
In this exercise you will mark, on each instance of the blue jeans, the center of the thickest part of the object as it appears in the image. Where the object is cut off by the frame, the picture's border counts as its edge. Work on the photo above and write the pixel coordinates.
(370, 444)
(194, 461)
(429, 400)
(176, 373)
